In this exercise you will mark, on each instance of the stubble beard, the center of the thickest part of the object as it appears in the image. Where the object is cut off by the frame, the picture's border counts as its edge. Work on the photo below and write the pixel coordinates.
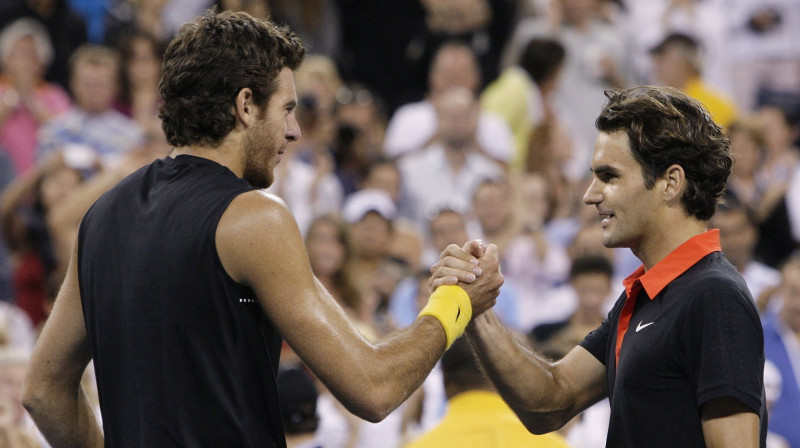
(255, 160)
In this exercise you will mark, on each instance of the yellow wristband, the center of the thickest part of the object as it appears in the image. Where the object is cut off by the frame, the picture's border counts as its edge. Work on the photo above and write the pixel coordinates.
(451, 306)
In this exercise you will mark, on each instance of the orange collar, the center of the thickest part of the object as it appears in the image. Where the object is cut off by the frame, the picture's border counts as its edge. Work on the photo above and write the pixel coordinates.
(673, 265)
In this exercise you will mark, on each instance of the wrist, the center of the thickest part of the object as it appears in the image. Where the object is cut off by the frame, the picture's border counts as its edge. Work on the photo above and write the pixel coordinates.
(451, 306)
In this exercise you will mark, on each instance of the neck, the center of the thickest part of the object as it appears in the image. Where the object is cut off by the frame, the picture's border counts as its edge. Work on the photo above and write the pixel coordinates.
(456, 157)
(225, 154)
(662, 241)
(587, 316)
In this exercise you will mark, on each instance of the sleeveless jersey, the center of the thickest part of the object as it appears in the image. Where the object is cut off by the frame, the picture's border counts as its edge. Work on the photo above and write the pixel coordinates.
(184, 355)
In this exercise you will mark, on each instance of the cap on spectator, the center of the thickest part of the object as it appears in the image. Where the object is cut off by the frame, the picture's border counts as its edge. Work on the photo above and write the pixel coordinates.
(362, 202)
(298, 399)
(680, 40)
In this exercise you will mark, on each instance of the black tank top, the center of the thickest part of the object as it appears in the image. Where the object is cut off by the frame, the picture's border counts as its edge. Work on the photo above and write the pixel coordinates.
(184, 355)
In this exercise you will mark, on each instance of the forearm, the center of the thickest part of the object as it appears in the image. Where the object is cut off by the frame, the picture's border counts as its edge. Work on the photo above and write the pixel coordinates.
(526, 380)
(390, 370)
(65, 419)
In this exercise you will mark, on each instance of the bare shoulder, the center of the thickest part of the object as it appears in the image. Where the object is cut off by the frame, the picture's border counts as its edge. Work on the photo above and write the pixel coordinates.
(255, 223)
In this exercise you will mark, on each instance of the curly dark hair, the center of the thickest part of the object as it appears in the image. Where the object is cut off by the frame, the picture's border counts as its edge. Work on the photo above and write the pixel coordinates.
(206, 65)
(665, 127)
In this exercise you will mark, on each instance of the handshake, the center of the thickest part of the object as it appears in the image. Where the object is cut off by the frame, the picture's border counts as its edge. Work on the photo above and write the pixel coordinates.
(464, 283)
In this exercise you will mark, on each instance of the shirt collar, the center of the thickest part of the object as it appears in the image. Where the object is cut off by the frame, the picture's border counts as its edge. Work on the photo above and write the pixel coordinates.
(673, 265)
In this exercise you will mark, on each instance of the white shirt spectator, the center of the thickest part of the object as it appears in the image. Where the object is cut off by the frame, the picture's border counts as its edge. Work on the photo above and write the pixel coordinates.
(413, 125)
(429, 181)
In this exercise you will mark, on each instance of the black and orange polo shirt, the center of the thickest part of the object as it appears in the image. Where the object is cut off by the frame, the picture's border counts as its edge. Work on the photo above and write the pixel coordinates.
(683, 333)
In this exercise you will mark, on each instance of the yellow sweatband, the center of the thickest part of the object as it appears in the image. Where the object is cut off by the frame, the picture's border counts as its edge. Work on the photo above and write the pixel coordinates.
(450, 305)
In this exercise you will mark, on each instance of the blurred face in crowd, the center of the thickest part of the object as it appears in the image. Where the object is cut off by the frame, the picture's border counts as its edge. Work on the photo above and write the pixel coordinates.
(386, 177)
(592, 289)
(746, 153)
(326, 249)
(144, 66)
(491, 206)
(454, 66)
(778, 133)
(23, 60)
(576, 11)
(536, 197)
(671, 67)
(94, 86)
(737, 235)
(58, 185)
(448, 228)
(790, 291)
(458, 118)
(371, 235)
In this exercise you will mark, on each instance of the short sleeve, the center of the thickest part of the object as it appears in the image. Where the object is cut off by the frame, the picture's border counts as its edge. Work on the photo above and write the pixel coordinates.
(596, 342)
(723, 343)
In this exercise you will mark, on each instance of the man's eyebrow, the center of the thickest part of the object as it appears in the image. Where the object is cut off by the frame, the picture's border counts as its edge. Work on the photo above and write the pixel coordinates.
(291, 104)
(603, 169)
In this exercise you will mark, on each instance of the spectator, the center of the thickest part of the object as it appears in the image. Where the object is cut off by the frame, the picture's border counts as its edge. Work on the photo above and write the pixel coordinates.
(532, 261)
(92, 122)
(317, 23)
(67, 30)
(384, 174)
(492, 207)
(762, 46)
(330, 253)
(738, 234)
(370, 215)
(361, 124)
(24, 209)
(677, 63)
(596, 59)
(27, 101)
(782, 158)
(483, 25)
(414, 125)
(477, 416)
(782, 347)
(309, 187)
(141, 70)
(298, 398)
(590, 277)
(748, 147)
(523, 94)
(451, 166)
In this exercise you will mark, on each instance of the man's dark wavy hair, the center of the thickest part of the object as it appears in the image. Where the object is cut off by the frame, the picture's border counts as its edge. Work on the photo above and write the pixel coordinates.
(206, 65)
(665, 127)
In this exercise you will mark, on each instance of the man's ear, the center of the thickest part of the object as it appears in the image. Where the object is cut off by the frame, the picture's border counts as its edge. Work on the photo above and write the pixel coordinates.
(675, 183)
(245, 110)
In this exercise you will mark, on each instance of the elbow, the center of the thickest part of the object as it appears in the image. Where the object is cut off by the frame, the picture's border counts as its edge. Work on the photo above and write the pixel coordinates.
(373, 405)
(32, 399)
(542, 423)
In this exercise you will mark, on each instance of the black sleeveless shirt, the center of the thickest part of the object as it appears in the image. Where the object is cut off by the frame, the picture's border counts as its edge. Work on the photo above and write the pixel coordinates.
(184, 355)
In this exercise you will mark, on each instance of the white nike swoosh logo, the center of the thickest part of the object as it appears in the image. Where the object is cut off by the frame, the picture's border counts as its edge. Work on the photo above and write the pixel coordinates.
(640, 326)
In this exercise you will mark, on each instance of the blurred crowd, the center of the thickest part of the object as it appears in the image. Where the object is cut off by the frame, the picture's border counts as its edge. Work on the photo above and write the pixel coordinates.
(424, 123)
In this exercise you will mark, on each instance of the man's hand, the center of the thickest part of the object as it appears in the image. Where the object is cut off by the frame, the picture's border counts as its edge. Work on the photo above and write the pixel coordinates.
(474, 267)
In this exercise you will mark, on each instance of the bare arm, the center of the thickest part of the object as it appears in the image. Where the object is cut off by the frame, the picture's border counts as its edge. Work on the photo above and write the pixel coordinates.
(260, 245)
(728, 423)
(545, 395)
(52, 392)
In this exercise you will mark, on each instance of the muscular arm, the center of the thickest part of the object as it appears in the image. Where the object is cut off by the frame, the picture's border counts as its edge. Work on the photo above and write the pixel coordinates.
(545, 395)
(52, 393)
(728, 423)
(260, 245)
